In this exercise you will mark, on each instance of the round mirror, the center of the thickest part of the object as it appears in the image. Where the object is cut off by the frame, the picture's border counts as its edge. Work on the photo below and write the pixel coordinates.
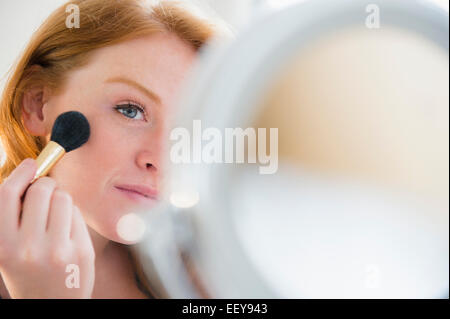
(318, 163)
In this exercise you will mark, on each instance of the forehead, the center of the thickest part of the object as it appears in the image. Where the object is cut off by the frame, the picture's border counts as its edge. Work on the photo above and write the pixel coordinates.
(152, 49)
(158, 61)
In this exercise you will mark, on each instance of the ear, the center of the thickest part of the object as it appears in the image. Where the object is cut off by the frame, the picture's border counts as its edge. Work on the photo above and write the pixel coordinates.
(33, 102)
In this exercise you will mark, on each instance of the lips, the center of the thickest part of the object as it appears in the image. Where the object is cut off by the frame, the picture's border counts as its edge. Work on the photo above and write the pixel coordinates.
(140, 190)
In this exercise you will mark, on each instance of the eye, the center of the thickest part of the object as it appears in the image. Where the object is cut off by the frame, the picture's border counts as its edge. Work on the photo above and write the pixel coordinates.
(131, 111)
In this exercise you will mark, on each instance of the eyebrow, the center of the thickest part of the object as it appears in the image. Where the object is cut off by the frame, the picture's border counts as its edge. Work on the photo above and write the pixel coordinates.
(152, 95)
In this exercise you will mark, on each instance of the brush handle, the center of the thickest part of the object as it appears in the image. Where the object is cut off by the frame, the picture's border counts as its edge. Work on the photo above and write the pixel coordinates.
(49, 156)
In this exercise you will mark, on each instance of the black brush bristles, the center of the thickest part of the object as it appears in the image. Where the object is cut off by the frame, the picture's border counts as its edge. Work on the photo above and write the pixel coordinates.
(71, 130)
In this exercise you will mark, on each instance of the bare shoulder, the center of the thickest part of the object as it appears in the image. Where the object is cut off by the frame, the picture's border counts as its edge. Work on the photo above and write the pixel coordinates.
(4, 294)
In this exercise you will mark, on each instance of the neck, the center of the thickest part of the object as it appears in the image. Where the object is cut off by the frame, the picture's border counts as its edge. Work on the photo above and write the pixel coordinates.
(99, 242)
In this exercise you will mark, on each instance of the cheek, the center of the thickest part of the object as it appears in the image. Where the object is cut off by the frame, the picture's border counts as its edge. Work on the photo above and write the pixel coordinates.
(104, 145)
(104, 154)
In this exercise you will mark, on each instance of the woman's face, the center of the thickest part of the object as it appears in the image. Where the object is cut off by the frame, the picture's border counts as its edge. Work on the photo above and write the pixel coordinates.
(126, 92)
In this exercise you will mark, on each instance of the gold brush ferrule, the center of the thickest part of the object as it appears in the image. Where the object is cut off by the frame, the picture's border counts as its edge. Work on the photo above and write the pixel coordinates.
(49, 156)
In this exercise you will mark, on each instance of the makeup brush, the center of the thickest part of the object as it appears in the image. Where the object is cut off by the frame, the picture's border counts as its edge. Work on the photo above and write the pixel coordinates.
(70, 131)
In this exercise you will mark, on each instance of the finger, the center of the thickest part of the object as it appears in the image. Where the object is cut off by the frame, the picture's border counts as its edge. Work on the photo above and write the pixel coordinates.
(11, 192)
(60, 216)
(36, 207)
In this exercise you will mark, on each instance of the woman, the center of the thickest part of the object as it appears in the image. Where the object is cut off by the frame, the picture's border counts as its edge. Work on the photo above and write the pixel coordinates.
(122, 68)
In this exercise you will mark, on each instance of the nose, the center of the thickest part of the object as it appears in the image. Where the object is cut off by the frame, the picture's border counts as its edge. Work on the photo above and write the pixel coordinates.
(147, 160)
(151, 147)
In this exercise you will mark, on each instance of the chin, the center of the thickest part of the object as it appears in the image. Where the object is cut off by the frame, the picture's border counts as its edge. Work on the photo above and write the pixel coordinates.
(119, 227)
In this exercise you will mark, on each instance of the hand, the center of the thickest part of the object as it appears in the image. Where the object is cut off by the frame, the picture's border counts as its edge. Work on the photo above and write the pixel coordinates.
(43, 238)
